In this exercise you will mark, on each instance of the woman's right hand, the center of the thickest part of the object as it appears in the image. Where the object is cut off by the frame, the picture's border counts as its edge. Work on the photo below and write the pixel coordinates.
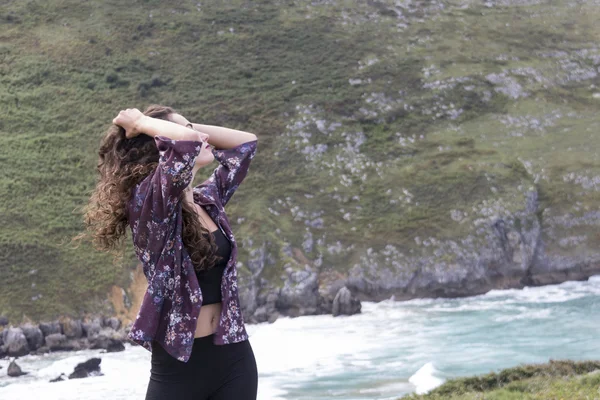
(130, 121)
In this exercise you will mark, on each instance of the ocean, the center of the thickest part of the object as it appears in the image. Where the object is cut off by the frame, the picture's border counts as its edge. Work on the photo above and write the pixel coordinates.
(390, 349)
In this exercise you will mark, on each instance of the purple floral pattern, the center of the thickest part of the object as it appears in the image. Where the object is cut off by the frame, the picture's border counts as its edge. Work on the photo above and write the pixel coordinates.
(172, 302)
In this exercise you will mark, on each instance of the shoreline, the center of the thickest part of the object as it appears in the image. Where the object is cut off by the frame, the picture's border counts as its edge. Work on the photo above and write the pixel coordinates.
(401, 356)
(108, 332)
(63, 334)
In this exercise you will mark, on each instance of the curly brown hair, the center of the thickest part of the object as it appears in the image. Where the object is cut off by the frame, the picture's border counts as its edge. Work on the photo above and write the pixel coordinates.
(122, 164)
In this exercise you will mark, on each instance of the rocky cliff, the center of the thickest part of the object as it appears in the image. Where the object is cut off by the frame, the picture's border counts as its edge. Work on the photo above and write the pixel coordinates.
(407, 148)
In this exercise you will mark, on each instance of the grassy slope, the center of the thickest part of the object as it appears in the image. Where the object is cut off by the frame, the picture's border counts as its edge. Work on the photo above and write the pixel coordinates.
(67, 67)
(553, 381)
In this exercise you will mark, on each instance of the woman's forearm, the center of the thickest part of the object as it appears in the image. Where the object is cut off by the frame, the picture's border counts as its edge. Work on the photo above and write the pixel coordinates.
(224, 138)
(160, 127)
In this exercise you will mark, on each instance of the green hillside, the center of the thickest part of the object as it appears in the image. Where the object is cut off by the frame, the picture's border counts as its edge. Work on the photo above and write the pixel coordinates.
(379, 122)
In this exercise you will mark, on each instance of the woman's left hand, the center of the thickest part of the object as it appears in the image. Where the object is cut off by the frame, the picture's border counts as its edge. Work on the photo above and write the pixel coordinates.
(130, 121)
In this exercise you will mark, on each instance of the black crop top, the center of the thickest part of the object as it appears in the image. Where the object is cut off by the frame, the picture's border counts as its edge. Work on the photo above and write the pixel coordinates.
(210, 281)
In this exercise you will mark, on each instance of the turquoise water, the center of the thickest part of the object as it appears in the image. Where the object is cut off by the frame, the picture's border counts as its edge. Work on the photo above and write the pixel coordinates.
(390, 349)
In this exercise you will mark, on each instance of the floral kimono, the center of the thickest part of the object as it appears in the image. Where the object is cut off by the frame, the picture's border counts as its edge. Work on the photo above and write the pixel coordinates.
(171, 305)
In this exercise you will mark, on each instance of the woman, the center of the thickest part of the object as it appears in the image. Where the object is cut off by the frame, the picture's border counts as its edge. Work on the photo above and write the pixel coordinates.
(190, 316)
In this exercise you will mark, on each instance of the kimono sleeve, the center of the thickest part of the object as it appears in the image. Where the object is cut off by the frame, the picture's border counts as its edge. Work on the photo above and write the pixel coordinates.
(233, 167)
(172, 175)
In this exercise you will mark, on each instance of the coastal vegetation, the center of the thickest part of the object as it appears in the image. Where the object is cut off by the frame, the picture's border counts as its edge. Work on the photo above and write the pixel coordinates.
(556, 380)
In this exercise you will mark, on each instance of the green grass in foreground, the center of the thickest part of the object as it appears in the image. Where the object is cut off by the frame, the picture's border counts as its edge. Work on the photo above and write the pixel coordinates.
(556, 380)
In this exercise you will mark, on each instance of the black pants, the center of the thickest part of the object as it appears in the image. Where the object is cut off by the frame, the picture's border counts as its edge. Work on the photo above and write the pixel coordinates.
(213, 372)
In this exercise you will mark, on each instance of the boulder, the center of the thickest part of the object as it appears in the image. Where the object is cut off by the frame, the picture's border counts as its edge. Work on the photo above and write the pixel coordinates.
(34, 336)
(91, 329)
(115, 346)
(90, 367)
(299, 294)
(61, 377)
(58, 341)
(14, 370)
(72, 328)
(3, 320)
(345, 304)
(15, 342)
(266, 307)
(111, 344)
(273, 317)
(113, 323)
(41, 350)
(48, 328)
(329, 286)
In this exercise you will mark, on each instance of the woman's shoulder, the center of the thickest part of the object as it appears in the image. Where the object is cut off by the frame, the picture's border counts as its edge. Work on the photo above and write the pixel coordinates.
(206, 192)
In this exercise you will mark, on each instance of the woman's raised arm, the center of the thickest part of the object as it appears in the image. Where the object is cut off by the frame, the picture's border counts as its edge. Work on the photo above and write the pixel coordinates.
(224, 138)
(160, 127)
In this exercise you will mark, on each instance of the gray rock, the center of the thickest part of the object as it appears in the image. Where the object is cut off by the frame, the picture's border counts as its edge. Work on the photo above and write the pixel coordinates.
(49, 328)
(14, 370)
(261, 314)
(110, 344)
(272, 297)
(115, 346)
(113, 323)
(15, 342)
(61, 377)
(58, 341)
(248, 297)
(41, 350)
(72, 328)
(3, 320)
(265, 305)
(345, 304)
(34, 335)
(273, 317)
(91, 329)
(327, 292)
(299, 294)
(90, 367)
(109, 332)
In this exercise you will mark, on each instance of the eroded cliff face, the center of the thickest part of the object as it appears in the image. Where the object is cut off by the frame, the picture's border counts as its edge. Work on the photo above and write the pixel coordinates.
(506, 249)
(468, 162)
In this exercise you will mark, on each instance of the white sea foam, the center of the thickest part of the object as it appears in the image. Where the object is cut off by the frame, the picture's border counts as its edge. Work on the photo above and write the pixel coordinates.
(563, 292)
(424, 379)
(527, 315)
(125, 377)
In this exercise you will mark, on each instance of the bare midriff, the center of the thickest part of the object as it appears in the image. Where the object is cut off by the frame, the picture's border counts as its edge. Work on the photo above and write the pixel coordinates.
(208, 319)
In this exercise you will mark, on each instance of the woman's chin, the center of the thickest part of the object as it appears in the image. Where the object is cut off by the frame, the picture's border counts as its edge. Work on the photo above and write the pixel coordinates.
(204, 162)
